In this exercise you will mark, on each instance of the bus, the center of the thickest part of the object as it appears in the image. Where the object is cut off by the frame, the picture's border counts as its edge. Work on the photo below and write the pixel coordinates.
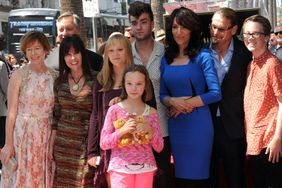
(24, 20)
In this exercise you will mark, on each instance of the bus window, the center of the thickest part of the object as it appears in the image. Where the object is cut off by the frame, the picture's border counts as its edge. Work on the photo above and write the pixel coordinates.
(21, 21)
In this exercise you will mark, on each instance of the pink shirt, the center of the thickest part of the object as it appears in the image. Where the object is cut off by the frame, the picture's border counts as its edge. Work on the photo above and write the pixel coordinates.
(137, 153)
(264, 85)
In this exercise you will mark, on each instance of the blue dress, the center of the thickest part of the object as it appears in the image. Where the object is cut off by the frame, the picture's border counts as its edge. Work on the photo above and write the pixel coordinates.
(191, 135)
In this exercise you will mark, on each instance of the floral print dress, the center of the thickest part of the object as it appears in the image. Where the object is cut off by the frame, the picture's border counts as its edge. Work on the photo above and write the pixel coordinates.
(32, 133)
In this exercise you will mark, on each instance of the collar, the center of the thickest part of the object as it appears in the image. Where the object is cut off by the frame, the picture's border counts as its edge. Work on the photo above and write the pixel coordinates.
(230, 48)
(262, 58)
(157, 50)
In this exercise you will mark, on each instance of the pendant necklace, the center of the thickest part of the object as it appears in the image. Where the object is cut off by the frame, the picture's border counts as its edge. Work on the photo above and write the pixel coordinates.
(75, 86)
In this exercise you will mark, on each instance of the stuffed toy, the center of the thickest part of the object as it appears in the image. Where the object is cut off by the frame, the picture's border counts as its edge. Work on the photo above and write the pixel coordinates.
(142, 135)
(126, 139)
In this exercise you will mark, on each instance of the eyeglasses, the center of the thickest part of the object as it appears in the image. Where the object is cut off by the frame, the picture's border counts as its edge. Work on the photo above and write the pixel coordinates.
(278, 32)
(254, 35)
(221, 30)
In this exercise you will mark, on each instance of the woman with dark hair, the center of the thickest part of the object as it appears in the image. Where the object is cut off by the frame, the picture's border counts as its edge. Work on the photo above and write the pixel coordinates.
(73, 105)
(188, 84)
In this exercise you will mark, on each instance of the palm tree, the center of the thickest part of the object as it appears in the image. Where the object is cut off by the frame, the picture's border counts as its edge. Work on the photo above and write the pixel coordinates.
(158, 11)
(75, 6)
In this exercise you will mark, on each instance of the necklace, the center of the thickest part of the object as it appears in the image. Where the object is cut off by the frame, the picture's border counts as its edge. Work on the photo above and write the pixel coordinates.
(75, 86)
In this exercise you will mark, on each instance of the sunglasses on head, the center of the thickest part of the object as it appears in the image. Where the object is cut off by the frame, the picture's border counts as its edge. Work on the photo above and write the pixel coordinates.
(278, 32)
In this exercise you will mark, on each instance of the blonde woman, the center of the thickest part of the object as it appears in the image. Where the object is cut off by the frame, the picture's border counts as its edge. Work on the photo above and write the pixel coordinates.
(117, 59)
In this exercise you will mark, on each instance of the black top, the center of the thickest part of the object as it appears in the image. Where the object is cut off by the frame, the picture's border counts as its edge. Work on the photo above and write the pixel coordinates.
(95, 60)
(232, 91)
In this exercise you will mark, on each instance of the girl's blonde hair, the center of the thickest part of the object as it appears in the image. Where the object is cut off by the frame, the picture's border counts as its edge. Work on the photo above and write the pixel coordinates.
(105, 76)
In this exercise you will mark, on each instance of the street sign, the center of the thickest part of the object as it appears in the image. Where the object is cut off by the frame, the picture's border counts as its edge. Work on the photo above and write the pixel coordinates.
(90, 8)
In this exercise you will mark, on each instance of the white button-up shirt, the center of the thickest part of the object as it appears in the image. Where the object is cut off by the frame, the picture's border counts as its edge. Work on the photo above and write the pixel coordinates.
(153, 67)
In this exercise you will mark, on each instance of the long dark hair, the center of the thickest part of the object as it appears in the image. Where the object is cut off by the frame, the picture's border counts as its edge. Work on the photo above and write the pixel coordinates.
(189, 20)
(148, 87)
(65, 46)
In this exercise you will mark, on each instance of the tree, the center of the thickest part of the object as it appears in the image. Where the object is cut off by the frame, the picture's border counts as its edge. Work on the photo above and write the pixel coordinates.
(14, 3)
(75, 6)
(158, 11)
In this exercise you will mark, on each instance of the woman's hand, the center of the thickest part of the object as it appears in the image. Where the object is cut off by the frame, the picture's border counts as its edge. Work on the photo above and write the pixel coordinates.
(173, 112)
(128, 127)
(50, 152)
(180, 105)
(274, 150)
(114, 101)
(51, 145)
(6, 153)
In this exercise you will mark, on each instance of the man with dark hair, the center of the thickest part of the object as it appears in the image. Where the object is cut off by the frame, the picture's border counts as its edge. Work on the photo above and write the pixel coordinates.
(231, 59)
(69, 24)
(148, 52)
(4, 80)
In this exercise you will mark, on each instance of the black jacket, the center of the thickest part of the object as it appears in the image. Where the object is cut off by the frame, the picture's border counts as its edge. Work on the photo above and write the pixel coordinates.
(232, 90)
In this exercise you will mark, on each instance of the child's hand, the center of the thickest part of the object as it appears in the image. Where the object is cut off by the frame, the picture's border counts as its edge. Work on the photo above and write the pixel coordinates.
(128, 127)
(92, 161)
(274, 150)
(144, 128)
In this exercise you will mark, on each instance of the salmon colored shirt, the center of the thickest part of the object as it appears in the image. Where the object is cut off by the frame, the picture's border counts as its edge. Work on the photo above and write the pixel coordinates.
(264, 85)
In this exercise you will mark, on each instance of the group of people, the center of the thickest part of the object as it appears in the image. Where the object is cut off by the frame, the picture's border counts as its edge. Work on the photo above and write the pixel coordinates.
(204, 104)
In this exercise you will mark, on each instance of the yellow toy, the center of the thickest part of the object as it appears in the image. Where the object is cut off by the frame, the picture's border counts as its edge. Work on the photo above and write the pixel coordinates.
(126, 139)
(142, 135)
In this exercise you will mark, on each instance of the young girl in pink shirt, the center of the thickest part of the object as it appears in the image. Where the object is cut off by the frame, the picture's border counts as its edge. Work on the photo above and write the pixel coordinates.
(132, 165)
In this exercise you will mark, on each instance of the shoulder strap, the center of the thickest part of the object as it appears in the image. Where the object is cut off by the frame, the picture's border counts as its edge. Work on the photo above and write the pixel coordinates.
(147, 110)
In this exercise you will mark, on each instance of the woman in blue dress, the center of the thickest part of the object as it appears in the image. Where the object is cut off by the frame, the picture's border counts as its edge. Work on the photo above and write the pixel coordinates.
(188, 84)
